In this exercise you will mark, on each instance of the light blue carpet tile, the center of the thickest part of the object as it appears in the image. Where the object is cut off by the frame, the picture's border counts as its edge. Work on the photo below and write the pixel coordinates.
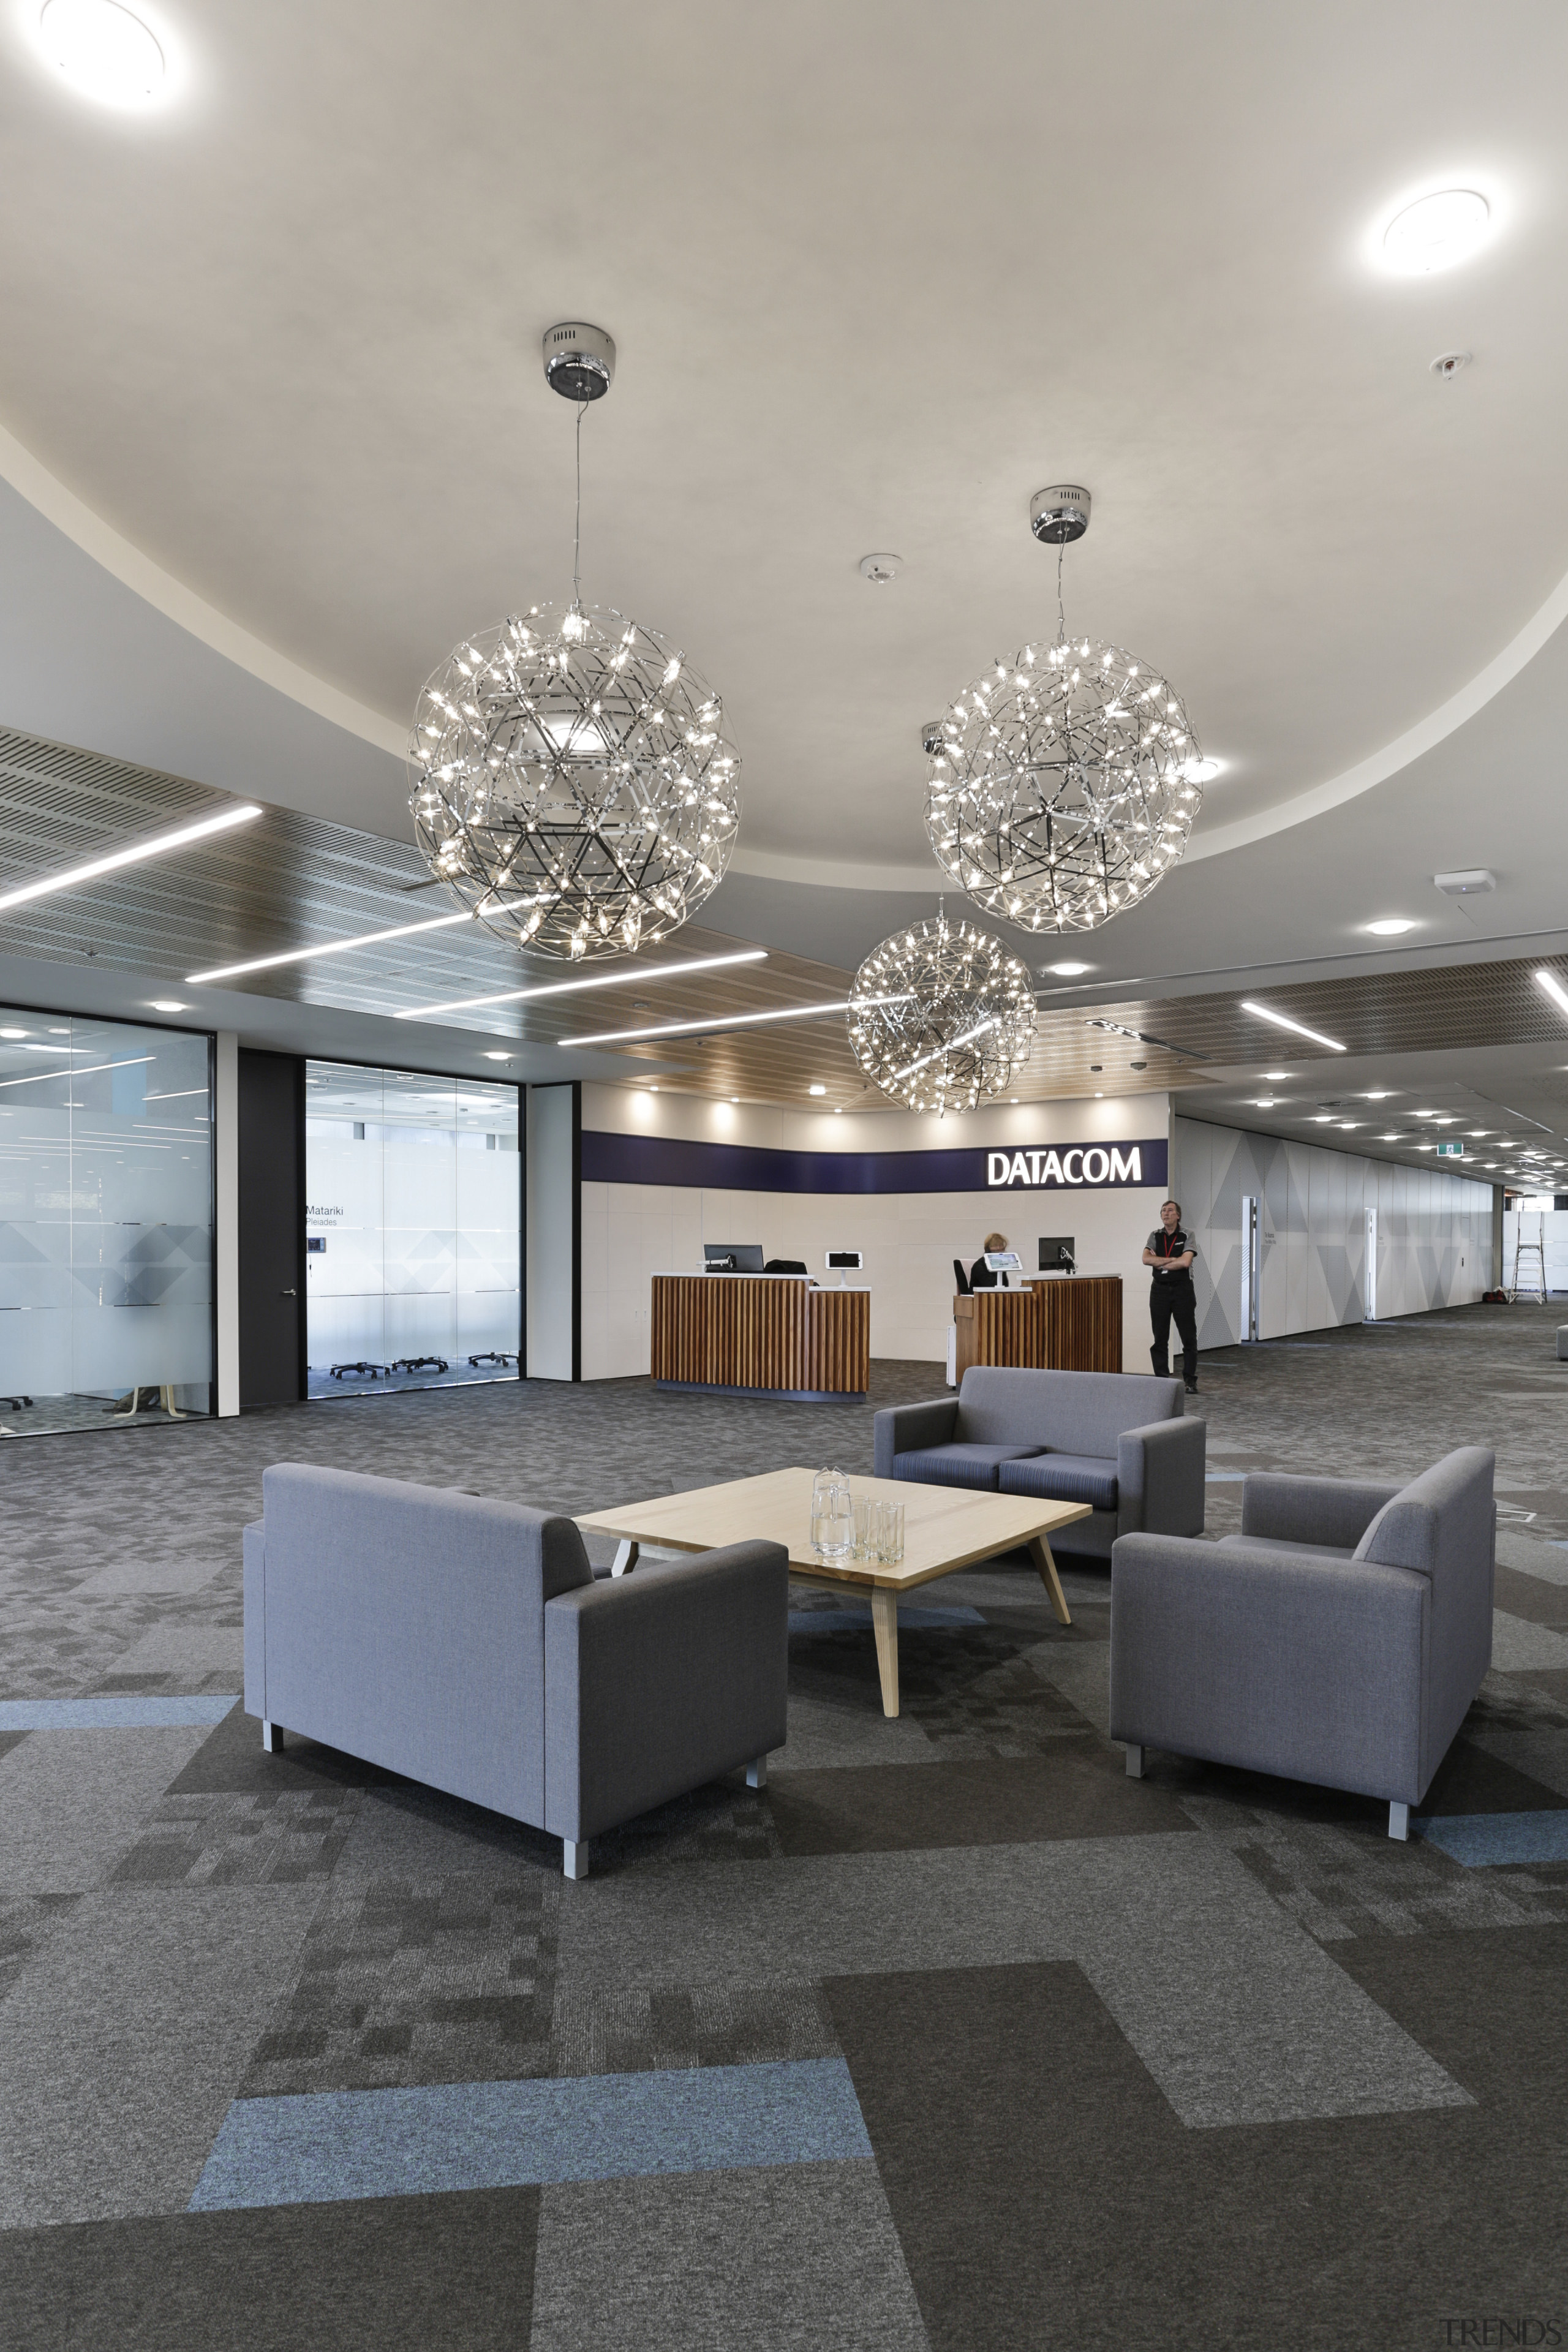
(1479, 1840)
(838, 1621)
(121, 1711)
(346, 2143)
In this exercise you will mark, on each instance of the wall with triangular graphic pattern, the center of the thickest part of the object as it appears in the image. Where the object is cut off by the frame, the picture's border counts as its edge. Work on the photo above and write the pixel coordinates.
(1434, 1233)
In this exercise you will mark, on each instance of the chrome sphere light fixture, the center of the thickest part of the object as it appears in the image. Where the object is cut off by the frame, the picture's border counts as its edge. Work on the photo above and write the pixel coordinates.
(573, 779)
(1063, 784)
(941, 1014)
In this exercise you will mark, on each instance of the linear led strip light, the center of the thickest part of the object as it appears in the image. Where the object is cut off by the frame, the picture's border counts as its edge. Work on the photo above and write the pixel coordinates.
(1554, 989)
(710, 1027)
(721, 1023)
(1282, 1021)
(636, 972)
(331, 946)
(159, 844)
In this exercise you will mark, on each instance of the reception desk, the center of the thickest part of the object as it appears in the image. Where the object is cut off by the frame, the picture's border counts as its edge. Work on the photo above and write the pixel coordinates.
(1070, 1324)
(761, 1335)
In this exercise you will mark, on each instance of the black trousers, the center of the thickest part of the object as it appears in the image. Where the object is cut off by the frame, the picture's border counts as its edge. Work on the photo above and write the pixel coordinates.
(1174, 1301)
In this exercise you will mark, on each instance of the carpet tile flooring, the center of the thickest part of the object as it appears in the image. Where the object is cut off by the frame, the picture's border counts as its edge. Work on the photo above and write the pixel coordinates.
(953, 2039)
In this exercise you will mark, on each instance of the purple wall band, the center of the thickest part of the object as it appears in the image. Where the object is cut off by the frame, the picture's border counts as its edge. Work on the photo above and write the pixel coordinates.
(1094, 1167)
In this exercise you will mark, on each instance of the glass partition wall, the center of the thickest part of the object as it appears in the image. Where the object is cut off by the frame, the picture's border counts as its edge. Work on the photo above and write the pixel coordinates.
(106, 1224)
(412, 1230)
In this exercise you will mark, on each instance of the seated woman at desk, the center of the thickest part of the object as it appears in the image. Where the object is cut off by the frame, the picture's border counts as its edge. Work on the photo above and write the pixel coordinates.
(980, 1274)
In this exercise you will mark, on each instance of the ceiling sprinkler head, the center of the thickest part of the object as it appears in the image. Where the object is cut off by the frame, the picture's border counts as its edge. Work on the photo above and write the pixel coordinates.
(579, 361)
(932, 739)
(1447, 366)
(1059, 515)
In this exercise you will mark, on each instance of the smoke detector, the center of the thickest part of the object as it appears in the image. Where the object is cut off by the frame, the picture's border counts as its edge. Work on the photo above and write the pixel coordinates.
(579, 361)
(1059, 515)
(880, 569)
(1474, 879)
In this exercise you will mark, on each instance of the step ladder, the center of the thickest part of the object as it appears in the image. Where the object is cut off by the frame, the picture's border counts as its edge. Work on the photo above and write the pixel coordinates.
(1534, 1255)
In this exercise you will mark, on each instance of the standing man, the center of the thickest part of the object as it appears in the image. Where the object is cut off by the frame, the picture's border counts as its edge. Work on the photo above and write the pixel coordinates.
(1170, 1257)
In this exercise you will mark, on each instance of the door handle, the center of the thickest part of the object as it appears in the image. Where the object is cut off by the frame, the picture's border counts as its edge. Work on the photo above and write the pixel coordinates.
(288, 1294)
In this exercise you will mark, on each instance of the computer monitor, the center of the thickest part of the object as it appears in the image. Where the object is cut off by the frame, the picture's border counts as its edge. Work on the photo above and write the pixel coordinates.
(844, 1261)
(1004, 1262)
(1058, 1254)
(732, 1257)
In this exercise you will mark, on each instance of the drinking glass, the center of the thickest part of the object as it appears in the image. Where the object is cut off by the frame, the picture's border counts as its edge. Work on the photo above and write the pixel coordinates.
(893, 1534)
(864, 1507)
(832, 1516)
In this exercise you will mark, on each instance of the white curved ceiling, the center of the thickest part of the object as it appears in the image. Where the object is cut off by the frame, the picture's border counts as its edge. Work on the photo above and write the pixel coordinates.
(875, 274)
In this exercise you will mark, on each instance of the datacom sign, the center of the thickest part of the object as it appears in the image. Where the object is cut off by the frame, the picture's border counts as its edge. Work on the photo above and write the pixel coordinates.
(1077, 1166)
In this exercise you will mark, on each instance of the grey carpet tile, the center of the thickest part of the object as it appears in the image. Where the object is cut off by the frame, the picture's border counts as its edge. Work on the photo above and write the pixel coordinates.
(451, 2273)
(240, 1841)
(232, 1761)
(840, 1724)
(1541, 1756)
(1238, 2016)
(72, 1802)
(971, 1690)
(1535, 1598)
(1532, 1556)
(802, 2258)
(26, 1921)
(1520, 1646)
(403, 1981)
(1079, 1789)
(1339, 1880)
(1030, 2218)
(1513, 1702)
(182, 1657)
(126, 2037)
(621, 2033)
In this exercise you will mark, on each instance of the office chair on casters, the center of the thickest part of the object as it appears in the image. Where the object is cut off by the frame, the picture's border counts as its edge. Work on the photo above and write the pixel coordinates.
(961, 1279)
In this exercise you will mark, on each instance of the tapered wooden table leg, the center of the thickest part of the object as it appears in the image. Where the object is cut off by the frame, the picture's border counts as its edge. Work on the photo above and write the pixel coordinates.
(1040, 1553)
(885, 1625)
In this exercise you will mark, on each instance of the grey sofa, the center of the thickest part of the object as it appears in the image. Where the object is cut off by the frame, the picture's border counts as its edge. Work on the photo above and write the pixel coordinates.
(467, 1645)
(1117, 1441)
(1340, 1638)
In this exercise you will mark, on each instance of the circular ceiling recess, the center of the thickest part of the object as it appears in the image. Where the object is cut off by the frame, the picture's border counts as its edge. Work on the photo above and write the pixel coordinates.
(1437, 231)
(102, 50)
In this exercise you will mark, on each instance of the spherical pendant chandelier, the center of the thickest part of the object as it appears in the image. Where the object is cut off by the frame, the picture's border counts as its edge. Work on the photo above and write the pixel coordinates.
(1064, 784)
(941, 1014)
(573, 781)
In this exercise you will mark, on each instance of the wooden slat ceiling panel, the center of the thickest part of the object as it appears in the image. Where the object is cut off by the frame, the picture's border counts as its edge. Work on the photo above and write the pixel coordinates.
(290, 880)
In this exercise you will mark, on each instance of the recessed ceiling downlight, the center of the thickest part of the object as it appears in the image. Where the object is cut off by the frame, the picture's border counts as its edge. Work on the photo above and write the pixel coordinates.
(103, 51)
(1437, 231)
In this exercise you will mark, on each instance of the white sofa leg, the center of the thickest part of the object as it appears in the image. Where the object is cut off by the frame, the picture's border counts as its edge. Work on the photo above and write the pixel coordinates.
(1135, 1763)
(575, 1857)
(1398, 1820)
(757, 1772)
(271, 1738)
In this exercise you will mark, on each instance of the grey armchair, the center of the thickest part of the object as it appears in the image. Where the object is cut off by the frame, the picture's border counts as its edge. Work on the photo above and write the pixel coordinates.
(1117, 1441)
(1339, 1639)
(467, 1645)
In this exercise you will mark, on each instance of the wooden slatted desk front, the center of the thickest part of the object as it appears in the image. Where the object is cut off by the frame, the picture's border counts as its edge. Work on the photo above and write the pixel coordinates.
(946, 1529)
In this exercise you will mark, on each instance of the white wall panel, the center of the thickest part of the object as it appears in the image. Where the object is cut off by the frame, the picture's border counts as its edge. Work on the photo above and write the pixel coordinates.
(1434, 1231)
(909, 1239)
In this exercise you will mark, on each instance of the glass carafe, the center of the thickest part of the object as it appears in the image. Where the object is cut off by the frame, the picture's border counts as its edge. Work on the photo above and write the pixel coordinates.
(832, 1516)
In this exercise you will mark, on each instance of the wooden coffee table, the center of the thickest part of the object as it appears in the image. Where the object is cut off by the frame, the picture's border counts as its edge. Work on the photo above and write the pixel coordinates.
(945, 1528)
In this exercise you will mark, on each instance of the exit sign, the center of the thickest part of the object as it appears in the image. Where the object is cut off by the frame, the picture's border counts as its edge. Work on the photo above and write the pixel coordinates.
(1450, 1152)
